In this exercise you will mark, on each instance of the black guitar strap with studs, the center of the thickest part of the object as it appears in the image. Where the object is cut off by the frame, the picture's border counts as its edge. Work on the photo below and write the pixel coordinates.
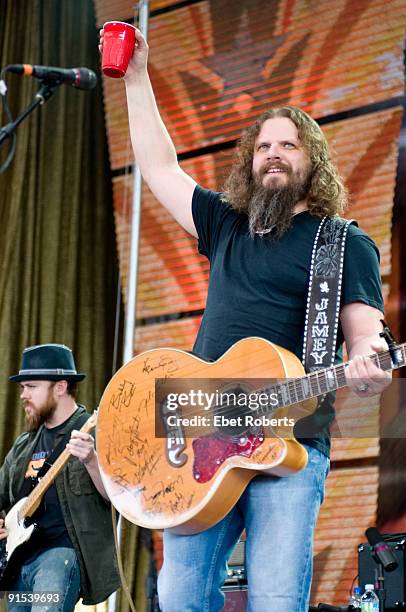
(324, 294)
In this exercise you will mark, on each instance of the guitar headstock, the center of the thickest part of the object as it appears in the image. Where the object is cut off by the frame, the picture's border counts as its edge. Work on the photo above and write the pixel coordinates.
(90, 423)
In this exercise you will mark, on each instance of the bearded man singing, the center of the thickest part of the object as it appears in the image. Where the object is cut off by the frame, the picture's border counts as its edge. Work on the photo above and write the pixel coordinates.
(71, 552)
(258, 235)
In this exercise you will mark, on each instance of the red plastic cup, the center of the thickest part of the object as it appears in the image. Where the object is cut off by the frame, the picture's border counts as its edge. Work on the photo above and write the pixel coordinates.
(118, 48)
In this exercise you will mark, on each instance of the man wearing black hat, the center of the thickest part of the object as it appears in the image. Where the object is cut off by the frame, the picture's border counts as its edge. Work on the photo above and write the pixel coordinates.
(71, 553)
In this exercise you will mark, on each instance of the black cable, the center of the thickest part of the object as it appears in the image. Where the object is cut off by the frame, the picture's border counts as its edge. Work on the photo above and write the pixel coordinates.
(352, 584)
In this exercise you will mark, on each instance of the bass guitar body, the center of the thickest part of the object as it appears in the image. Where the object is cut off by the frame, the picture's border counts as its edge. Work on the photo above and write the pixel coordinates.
(19, 522)
(12, 549)
(161, 474)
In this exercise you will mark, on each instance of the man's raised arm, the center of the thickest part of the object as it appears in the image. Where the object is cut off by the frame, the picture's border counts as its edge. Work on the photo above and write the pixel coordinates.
(153, 148)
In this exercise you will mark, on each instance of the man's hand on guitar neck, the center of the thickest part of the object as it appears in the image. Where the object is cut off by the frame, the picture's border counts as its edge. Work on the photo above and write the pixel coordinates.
(81, 445)
(361, 326)
(364, 377)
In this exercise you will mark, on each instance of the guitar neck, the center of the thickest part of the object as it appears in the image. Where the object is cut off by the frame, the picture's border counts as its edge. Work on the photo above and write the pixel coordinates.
(34, 499)
(321, 382)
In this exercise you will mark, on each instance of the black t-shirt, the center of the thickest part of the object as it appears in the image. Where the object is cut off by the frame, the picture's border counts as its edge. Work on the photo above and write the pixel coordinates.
(52, 530)
(258, 286)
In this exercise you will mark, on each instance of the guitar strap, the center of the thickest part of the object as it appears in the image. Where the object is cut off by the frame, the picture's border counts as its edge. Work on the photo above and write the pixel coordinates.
(324, 294)
(77, 423)
(26, 488)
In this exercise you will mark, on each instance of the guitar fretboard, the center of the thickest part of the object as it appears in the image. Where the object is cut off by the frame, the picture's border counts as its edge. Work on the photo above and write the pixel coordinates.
(34, 499)
(318, 383)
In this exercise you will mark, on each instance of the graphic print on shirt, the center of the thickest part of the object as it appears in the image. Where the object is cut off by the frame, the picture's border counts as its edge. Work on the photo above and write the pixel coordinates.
(36, 463)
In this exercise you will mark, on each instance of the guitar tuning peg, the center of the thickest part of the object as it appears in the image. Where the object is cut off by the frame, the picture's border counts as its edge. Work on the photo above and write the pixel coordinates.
(395, 354)
(387, 334)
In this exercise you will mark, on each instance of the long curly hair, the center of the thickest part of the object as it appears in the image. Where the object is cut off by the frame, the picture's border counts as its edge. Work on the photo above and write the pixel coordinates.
(327, 194)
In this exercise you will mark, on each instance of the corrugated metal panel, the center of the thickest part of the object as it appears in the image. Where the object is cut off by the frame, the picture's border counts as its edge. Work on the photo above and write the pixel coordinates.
(107, 10)
(356, 417)
(173, 276)
(217, 64)
(348, 510)
(354, 448)
(175, 334)
(367, 152)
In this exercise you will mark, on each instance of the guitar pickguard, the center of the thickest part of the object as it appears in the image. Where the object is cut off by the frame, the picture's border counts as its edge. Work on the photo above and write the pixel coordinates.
(210, 452)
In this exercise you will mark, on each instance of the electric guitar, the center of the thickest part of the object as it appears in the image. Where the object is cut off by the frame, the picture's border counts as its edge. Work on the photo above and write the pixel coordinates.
(171, 458)
(16, 521)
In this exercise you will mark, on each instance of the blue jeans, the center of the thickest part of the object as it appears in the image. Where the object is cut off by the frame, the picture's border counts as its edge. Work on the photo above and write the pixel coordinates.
(56, 570)
(279, 516)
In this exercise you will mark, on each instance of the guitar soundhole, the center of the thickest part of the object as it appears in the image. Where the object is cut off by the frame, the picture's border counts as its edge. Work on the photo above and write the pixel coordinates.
(230, 417)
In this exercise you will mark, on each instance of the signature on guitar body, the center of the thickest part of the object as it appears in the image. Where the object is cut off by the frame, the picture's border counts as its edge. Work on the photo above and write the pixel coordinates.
(158, 477)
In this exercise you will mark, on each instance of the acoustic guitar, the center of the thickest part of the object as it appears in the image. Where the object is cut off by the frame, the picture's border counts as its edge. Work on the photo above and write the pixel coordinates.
(179, 438)
(17, 522)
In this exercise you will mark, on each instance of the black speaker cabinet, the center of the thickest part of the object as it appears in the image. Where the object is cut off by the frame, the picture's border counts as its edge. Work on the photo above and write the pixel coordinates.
(395, 581)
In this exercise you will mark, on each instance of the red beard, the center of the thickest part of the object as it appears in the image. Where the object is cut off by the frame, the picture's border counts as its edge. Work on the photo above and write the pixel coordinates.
(40, 414)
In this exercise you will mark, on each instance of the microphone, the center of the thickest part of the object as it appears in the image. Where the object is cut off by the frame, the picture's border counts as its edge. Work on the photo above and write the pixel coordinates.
(381, 549)
(81, 78)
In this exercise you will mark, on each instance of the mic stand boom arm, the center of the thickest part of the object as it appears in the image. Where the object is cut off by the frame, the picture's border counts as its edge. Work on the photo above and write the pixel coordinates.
(45, 92)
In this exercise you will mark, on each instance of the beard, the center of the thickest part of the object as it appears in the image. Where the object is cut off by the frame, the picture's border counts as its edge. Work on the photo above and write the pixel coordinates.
(270, 207)
(33, 420)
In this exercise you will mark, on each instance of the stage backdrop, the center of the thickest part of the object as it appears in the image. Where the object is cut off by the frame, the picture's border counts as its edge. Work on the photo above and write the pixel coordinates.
(215, 66)
(58, 273)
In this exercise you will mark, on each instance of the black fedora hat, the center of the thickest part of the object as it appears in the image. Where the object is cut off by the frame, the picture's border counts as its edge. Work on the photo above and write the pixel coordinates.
(47, 362)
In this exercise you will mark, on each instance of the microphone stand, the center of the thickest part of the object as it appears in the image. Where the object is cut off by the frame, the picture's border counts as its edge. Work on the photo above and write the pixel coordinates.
(380, 582)
(46, 90)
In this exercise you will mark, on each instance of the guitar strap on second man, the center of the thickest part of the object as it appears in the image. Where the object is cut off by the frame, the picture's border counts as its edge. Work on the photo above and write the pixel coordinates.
(29, 483)
(77, 423)
(324, 294)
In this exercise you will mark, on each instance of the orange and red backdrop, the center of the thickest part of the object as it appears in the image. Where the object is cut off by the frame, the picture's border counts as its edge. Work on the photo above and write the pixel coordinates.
(215, 66)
